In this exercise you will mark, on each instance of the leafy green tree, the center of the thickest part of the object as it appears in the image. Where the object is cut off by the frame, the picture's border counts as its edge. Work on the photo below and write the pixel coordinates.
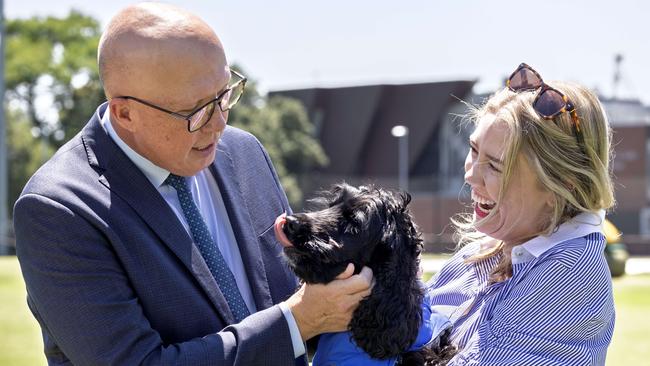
(283, 127)
(54, 58)
(53, 61)
(25, 153)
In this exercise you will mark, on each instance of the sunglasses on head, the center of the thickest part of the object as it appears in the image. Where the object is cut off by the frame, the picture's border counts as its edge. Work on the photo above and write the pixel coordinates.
(549, 102)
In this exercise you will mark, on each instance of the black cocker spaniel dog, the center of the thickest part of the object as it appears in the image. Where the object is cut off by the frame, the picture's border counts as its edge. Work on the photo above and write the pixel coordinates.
(367, 226)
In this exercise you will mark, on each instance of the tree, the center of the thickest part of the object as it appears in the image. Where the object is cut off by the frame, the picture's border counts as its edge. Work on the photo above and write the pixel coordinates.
(25, 153)
(49, 62)
(54, 58)
(283, 127)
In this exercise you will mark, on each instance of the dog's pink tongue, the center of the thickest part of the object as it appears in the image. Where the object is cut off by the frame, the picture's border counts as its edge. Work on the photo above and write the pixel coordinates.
(279, 233)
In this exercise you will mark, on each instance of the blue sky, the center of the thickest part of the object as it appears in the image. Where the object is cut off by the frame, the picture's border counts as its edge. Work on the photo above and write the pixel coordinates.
(292, 44)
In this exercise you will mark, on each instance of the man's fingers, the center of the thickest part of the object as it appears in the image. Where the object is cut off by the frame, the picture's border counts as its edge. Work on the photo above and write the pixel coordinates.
(363, 294)
(366, 273)
(349, 270)
(352, 301)
(358, 283)
(364, 280)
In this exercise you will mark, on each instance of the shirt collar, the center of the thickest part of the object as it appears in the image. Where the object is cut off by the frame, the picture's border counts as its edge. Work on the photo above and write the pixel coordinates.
(581, 225)
(155, 174)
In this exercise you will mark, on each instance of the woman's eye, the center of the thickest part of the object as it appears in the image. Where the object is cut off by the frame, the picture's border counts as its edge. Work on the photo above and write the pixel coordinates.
(493, 167)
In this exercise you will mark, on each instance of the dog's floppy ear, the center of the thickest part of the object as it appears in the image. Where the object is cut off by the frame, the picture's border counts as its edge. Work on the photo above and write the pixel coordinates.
(386, 323)
(341, 192)
(337, 193)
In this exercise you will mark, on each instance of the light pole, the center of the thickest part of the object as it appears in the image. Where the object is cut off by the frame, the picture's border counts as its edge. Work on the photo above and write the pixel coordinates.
(402, 135)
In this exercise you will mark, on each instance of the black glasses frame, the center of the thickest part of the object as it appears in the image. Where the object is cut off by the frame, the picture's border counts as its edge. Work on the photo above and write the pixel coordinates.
(188, 117)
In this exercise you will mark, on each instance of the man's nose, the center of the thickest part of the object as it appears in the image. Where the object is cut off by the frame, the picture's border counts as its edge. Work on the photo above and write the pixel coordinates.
(217, 122)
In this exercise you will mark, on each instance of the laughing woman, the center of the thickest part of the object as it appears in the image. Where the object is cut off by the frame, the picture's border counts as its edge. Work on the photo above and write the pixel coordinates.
(530, 284)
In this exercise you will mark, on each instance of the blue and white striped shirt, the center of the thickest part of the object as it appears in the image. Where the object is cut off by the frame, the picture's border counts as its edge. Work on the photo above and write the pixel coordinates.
(556, 309)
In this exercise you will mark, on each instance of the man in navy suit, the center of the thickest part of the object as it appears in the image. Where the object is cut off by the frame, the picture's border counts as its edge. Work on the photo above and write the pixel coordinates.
(138, 246)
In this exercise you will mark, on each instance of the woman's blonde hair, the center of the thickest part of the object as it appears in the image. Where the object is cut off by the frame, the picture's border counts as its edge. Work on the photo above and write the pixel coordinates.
(576, 173)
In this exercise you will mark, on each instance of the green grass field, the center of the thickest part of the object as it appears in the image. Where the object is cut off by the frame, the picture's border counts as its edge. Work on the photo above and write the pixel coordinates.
(21, 338)
(632, 332)
(21, 341)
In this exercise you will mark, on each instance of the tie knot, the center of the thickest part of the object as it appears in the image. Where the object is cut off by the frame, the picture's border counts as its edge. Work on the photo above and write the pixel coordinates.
(177, 182)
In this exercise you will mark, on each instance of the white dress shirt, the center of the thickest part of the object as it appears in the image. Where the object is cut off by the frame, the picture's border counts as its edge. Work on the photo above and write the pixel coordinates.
(582, 225)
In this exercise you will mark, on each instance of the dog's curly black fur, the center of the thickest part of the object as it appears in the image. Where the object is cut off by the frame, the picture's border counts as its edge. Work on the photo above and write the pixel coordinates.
(372, 227)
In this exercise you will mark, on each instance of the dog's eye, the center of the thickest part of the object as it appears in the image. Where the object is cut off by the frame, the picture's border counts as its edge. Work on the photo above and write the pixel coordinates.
(352, 229)
(358, 218)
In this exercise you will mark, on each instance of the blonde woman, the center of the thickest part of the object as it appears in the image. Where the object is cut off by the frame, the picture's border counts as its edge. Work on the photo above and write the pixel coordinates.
(529, 284)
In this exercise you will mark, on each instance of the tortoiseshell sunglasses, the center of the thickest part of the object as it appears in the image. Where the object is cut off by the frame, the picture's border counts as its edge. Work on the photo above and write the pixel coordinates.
(549, 102)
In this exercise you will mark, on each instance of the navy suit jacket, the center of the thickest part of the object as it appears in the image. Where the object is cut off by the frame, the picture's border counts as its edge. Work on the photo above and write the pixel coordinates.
(113, 278)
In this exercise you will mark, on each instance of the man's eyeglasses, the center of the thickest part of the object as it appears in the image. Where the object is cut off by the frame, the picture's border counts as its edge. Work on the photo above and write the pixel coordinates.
(549, 102)
(200, 116)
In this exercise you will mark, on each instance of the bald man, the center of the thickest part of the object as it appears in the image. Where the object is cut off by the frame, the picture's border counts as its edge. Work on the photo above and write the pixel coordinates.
(139, 246)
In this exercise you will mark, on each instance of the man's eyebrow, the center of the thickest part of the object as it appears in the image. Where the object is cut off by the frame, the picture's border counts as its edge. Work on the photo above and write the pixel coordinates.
(203, 101)
(197, 105)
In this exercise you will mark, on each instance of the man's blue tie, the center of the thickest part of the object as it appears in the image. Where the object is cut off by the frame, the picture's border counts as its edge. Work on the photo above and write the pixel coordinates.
(208, 248)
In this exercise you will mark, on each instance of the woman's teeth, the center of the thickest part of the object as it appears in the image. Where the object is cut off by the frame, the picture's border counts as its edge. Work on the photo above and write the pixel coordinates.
(483, 203)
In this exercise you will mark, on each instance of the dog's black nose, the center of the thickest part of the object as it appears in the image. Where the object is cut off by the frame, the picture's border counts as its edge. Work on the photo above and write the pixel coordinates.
(291, 225)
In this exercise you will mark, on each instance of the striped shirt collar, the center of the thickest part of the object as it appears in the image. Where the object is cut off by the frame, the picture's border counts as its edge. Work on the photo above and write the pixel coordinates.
(582, 225)
(155, 174)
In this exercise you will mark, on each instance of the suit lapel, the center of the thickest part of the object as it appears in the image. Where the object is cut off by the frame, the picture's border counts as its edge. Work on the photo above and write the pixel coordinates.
(123, 178)
(242, 223)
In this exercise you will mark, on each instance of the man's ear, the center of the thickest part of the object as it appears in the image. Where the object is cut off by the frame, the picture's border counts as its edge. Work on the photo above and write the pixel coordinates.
(121, 114)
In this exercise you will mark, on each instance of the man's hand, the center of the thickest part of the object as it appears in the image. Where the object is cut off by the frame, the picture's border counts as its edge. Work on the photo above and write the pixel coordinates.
(328, 308)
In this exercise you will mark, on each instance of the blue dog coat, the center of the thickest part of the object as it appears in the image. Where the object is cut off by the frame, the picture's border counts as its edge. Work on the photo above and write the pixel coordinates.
(338, 349)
